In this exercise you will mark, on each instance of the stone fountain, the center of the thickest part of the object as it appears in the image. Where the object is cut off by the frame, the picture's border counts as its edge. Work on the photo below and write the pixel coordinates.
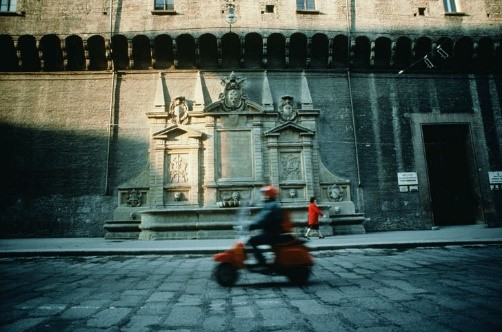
(207, 161)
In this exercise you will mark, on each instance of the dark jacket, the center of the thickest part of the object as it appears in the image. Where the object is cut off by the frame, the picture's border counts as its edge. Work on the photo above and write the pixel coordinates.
(269, 219)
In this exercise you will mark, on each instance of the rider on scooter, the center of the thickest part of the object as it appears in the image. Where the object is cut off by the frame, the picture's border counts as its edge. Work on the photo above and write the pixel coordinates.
(270, 220)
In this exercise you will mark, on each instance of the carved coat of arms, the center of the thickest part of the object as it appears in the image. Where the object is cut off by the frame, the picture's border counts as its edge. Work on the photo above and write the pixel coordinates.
(336, 193)
(232, 98)
(286, 110)
(178, 110)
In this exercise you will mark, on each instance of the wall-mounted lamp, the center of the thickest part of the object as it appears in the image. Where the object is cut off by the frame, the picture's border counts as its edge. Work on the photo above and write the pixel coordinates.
(230, 16)
(427, 60)
(442, 52)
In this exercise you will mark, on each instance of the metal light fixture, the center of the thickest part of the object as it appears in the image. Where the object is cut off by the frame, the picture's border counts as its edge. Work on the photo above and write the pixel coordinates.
(230, 16)
(442, 52)
(427, 60)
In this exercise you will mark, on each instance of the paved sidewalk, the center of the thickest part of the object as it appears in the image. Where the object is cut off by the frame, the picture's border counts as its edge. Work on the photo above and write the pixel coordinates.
(452, 235)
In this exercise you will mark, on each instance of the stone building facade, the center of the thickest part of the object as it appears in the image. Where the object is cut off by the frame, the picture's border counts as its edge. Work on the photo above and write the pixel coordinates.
(115, 118)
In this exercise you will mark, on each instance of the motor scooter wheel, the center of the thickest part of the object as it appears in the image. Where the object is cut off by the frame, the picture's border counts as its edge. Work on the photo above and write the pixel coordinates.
(226, 275)
(299, 275)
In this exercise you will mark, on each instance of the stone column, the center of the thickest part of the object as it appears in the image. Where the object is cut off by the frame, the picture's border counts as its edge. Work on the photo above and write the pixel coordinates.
(209, 163)
(308, 167)
(157, 175)
(257, 151)
(194, 176)
(273, 146)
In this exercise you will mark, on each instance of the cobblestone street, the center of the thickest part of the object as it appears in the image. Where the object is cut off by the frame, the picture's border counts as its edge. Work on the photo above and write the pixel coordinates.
(453, 288)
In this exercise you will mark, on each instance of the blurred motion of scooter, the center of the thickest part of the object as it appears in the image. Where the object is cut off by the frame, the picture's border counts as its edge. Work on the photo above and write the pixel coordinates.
(291, 257)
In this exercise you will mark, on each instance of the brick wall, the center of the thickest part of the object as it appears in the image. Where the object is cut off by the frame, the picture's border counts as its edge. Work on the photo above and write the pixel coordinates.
(195, 16)
(62, 168)
(54, 138)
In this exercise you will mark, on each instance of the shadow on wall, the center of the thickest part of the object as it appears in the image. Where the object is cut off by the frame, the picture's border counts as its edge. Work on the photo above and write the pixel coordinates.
(55, 183)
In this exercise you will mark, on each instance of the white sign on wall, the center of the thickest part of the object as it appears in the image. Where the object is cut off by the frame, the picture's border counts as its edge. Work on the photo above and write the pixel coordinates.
(407, 178)
(495, 177)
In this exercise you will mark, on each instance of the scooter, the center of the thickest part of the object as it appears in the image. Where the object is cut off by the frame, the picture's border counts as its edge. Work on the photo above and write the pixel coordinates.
(292, 259)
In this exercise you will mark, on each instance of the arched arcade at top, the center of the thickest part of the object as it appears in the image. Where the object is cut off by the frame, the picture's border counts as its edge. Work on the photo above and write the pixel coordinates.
(295, 51)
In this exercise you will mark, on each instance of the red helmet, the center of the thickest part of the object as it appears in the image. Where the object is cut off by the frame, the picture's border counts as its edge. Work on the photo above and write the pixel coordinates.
(269, 191)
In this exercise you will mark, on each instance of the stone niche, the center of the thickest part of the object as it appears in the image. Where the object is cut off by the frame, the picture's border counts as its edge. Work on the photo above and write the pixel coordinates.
(207, 162)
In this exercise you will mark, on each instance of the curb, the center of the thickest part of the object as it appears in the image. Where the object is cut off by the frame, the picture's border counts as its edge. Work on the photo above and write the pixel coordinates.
(211, 251)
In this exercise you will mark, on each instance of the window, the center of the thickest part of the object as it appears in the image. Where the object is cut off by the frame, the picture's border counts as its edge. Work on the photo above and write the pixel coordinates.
(451, 6)
(8, 6)
(305, 4)
(164, 5)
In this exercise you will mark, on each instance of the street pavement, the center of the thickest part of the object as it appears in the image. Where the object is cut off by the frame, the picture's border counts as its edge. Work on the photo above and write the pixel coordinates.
(450, 288)
(458, 235)
(436, 280)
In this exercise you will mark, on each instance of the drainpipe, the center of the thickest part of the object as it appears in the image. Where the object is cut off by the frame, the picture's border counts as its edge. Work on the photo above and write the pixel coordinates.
(111, 20)
(111, 128)
(111, 124)
(359, 190)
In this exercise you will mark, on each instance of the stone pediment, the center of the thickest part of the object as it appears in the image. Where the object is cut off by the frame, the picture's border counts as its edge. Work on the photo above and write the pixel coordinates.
(290, 127)
(219, 107)
(232, 97)
(171, 132)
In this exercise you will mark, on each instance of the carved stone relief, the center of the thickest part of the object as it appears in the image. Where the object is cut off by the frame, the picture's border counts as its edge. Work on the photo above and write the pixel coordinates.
(234, 197)
(176, 196)
(134, 198)
(178, 111)
(336, 193)
(232, 97)
(230, 200)
(287, 111)
(178, 169)
(290, 166)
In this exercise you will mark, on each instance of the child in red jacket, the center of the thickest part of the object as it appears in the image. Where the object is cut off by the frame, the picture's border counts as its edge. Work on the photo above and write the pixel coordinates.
(314, 213)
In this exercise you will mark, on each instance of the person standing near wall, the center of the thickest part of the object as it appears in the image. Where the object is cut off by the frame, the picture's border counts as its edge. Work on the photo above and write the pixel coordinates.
(313, 222)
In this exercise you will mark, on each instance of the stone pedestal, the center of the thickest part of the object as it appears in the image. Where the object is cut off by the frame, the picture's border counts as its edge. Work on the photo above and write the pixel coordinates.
(122, 229)
(348, 224)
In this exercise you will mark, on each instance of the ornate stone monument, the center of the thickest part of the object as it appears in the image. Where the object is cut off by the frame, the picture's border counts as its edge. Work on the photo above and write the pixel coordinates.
(205, 161)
